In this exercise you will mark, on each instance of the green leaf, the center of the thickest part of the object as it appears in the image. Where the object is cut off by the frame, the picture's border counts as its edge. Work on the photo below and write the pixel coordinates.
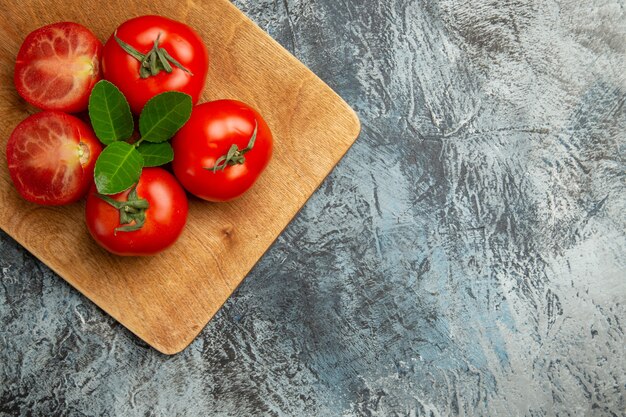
(155, 154)
(109, 113)
(163, 115)
(118, 167)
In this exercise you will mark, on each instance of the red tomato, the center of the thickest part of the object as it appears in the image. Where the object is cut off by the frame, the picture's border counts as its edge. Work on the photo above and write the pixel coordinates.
(51, 158)
(214, 129)
(57, 66)
(157, 39)
(163, 219)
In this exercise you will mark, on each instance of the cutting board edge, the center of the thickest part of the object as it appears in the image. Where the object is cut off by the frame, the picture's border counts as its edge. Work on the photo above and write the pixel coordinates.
(353, 115)
(179, 347)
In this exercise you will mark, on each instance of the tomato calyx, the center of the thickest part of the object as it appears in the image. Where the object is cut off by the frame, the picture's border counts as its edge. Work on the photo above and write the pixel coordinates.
(132, 211)
(155, 61)
(234, 155)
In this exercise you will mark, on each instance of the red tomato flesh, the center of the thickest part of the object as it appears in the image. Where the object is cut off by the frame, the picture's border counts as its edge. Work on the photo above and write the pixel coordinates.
(57, 66)
(51, 158)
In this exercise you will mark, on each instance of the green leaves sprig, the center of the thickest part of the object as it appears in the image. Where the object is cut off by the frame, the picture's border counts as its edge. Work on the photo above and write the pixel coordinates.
(119, 165)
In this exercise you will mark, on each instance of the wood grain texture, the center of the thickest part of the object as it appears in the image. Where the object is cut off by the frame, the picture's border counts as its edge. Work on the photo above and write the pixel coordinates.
(167, 299)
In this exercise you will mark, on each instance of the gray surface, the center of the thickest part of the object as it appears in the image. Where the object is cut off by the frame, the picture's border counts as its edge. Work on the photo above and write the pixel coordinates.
(466, 257)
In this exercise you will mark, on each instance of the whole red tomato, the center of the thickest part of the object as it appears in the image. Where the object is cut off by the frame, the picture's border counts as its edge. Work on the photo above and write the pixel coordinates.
(57, 66)
(222, 150)
(143, 220)
(51, 158)
(149, 55)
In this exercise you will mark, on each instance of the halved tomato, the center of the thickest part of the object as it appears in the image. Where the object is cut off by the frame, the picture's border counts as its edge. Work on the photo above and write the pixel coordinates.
(51, 158)
(57, 66)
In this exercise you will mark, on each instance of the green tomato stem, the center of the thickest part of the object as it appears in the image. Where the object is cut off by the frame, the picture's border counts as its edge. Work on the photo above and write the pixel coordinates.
(132, 211)
(234, 155)
(155, 61)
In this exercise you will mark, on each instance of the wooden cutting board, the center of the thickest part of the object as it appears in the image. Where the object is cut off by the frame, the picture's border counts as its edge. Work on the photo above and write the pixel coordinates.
(167, 299)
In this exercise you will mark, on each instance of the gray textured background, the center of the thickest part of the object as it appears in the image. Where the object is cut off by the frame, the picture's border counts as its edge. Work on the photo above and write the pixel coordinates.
(467, 257)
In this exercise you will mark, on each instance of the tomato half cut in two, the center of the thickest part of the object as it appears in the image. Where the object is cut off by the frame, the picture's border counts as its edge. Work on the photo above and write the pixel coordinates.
(57, 67)
(51, 158)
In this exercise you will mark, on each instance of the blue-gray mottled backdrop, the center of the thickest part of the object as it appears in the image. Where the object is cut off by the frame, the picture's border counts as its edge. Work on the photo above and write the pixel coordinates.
(467, 257)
